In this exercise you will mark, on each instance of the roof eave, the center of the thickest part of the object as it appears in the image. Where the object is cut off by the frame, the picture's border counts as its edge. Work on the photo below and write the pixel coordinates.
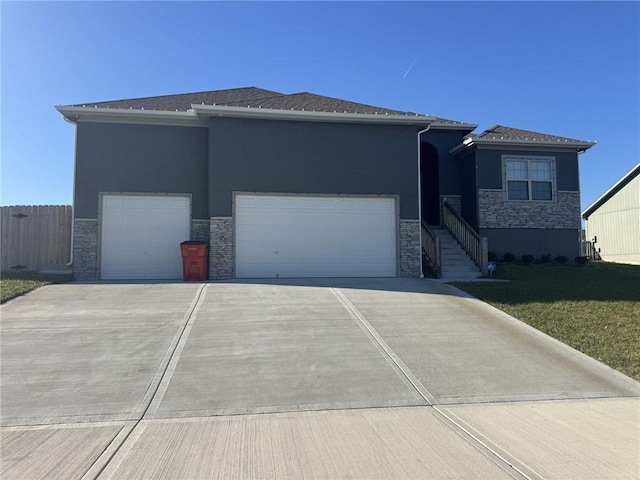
(199, 113)
(579, 146)
(466, 127)
(602, 199)
(310, 116)
(76, 114)
(467, 142)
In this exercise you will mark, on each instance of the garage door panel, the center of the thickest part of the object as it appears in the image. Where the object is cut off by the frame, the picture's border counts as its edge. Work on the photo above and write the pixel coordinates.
(289, 236)
(141, 236)
(313, 269)
(136, 202)
(120, 254)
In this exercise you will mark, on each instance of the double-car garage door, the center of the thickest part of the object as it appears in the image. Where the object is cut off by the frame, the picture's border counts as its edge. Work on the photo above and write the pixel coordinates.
(306, 236)
(275, 236)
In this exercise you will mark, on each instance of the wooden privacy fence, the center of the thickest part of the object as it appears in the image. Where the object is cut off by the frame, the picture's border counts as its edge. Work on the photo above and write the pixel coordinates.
(35, 237)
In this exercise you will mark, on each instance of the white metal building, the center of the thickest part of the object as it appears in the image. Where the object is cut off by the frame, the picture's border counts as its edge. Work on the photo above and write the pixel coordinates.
(613, 220)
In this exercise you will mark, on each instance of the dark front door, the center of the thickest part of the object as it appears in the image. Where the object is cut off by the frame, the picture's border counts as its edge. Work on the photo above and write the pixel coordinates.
(430, 178)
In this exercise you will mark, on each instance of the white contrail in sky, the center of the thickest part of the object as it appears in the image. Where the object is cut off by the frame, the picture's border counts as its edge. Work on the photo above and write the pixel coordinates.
(411, 66)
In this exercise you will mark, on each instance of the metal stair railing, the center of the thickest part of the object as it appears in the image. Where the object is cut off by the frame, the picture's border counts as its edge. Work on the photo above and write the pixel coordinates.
(431, 249)
(477, 247)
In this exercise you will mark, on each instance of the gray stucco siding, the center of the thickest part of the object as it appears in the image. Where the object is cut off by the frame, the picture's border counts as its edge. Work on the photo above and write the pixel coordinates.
(248, 155)
(469, 190)
(532, 241)
(140, 159)
(489, 167)
(449, 166)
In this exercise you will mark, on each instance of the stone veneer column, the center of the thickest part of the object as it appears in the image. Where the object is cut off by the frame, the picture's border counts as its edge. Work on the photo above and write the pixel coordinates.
(200, 230)
(221, 248)
(85, 249)
(410, 248)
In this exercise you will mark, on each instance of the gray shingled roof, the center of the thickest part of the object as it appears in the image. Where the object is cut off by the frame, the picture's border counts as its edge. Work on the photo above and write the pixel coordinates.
(499, 132)
(183, 101)
(310, 101)
(255, 98)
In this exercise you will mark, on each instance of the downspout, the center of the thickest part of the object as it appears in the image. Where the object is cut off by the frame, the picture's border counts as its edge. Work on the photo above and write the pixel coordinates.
(73, 198)
(420, 194)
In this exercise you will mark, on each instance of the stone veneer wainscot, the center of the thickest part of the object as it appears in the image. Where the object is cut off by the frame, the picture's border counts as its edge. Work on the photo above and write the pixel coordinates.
(495, 211)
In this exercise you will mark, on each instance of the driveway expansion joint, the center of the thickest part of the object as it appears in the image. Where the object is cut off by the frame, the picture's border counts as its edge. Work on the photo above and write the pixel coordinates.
(500, 458)
(158, 374)
(158, 385)
(377, 339)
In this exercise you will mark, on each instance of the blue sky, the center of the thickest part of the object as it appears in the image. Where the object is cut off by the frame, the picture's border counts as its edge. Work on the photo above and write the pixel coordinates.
(570, 69)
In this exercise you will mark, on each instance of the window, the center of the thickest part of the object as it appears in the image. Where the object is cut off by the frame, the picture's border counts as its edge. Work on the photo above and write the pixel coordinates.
(529, 178)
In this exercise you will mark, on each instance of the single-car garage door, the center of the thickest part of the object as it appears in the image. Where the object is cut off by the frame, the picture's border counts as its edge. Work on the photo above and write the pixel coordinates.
(306, 236)
(141, 236)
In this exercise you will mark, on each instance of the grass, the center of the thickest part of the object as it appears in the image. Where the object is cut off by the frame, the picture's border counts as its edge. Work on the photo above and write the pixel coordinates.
(15, 284)
(594, 308)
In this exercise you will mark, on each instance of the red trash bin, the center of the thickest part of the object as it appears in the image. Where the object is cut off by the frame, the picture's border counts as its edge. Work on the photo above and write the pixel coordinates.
(195, 256)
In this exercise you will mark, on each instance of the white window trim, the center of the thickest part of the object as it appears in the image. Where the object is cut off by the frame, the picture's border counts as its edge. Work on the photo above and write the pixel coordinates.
(530, 158)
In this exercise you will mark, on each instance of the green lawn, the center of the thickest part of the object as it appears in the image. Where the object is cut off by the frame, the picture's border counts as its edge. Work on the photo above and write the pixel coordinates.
(15, 284)
(594, 308)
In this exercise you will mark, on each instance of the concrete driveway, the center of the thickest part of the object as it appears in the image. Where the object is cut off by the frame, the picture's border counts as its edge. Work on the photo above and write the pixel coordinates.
(350, 378)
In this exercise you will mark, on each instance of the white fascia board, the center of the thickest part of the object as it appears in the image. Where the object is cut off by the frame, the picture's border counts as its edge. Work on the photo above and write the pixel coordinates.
(198, 114)
(503, 142)
(526, 143)
(469, 127)
(309, 116)
(124, 115)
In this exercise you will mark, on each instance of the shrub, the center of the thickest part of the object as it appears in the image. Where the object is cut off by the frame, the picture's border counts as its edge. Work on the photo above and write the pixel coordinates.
(509, 257)
(562, 259)
(581, 260)
(492, 256)
(527, 258)
(546, 258)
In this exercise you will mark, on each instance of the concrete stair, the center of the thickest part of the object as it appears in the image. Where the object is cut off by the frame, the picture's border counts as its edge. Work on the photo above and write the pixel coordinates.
(456, 264)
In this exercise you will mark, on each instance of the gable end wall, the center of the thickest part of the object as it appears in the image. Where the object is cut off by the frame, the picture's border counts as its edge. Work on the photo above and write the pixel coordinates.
(616, 224)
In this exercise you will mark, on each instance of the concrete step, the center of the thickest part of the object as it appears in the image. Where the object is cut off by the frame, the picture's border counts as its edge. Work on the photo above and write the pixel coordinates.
(453, 250)
(458, 270)
(444, 241)
(452, 255)
(456, 264)
(450, 245)
(448, 241)
(459, 264)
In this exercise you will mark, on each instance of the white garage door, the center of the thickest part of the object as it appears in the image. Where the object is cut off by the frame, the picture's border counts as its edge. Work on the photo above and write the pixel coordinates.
(301, 236)
(141, 236)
